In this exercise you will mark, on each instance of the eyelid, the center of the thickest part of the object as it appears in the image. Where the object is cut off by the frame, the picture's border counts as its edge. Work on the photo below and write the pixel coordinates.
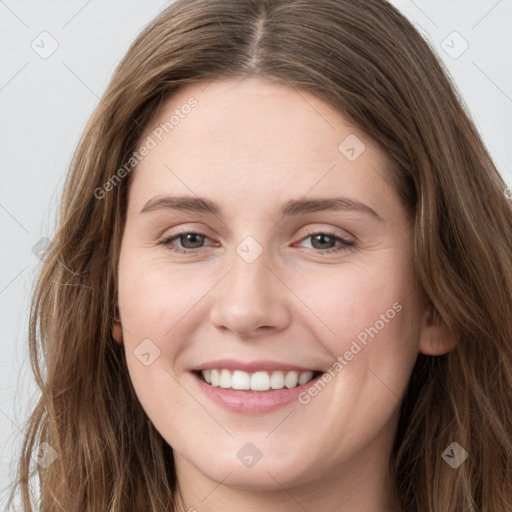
(343, 244)
(310, 231)
(338, 232)
(167, 239)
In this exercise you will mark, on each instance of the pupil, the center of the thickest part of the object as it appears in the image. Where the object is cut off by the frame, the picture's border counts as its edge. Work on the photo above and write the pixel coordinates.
(323, 239)
(193, 238)
(196, 240)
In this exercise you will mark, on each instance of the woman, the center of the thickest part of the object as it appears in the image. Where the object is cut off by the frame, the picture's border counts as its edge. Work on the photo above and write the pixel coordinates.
(259, 368)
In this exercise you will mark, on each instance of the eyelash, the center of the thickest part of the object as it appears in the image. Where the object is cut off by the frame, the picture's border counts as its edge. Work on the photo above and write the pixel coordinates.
(344, 243)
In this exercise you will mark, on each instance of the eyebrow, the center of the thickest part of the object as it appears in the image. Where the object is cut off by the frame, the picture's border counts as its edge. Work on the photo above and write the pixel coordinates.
(291, 207)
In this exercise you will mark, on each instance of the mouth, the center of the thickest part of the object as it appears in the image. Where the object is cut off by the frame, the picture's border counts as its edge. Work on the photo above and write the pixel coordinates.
(254, 387)
(258, 382)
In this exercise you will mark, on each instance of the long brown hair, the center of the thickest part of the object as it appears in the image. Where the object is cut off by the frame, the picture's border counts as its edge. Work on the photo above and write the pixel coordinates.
(367, 61)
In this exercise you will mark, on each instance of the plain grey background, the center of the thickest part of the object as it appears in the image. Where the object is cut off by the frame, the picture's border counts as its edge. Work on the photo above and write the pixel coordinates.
(46, 99)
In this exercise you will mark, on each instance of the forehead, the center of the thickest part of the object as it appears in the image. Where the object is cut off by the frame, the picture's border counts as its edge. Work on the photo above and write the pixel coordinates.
(246, 116)
(256, 138)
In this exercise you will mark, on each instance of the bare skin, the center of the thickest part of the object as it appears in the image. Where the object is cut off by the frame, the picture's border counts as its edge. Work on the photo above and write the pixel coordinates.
(250, 147)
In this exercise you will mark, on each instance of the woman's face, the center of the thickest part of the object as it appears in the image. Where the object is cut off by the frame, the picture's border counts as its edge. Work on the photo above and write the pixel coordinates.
(298, 262)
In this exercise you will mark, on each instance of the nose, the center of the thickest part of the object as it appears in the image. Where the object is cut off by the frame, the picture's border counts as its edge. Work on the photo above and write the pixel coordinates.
(251, 300)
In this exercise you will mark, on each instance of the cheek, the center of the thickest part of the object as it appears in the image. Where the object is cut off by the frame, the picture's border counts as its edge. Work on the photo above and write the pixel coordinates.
(161, 308)
(357, 301)
(157, 308)
(372, 336)
(157, 300)
(366, 316)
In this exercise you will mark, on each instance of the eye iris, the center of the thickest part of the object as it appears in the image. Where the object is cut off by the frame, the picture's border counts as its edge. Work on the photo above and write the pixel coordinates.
(194, 238)
(322, 239)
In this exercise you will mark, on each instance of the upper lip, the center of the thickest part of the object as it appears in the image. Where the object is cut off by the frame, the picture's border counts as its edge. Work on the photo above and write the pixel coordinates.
(250, 366)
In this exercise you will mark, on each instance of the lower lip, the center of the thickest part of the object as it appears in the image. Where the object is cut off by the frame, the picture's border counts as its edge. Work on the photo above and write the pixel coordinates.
(252, 402)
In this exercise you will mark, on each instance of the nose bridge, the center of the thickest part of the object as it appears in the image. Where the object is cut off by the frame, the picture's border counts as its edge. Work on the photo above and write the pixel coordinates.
(250, 296)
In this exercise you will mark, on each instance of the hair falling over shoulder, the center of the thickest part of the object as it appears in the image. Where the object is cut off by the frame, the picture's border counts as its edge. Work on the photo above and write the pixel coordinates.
(368, 61)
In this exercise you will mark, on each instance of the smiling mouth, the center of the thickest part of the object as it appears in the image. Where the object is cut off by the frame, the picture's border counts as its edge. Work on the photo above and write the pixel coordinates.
(240, 380)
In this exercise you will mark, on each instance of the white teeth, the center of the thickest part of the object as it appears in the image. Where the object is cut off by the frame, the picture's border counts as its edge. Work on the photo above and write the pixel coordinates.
(225, 379)
(258, 381)
(304, 377)
(215, 376)
(277, 380)
(291, 379)
(240, 380)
